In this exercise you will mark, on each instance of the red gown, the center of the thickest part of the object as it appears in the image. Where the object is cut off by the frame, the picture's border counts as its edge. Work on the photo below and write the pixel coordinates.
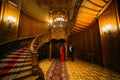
(62, 54)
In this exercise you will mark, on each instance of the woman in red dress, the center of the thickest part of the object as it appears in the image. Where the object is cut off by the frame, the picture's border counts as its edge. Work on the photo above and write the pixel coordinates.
(62, 50)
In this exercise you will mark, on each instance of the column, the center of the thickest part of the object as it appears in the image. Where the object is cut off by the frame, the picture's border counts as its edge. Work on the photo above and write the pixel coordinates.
(50, 51)
(66, 49)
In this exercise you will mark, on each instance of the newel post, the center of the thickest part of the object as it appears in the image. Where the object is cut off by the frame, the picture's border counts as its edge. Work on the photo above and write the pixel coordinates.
(36, 70)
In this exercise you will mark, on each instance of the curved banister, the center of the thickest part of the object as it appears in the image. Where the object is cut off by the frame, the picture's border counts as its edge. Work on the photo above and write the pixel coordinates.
(71, 22)
(39, 40)
(35, 45)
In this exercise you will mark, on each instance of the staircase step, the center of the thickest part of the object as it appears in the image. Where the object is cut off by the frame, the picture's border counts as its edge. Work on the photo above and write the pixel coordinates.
(26, 68)
(14, 60)
(28, 51)
(23, 50)
(17, 65)
(14, 56)
(14, 70)
(13, 65)
(18, 76)
(21, 54)
(8, 77)
(23, 75)
(31, 77)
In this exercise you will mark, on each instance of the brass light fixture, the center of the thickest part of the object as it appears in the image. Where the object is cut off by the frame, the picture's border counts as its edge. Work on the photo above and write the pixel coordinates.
(11, 20)
(107, 29)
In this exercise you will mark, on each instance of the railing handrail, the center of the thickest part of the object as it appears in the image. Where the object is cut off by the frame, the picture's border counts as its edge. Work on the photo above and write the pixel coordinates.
(35, 45)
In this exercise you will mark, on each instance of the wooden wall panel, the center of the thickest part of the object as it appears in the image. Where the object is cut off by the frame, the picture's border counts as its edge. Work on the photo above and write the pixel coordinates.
(88, 41)
(44, 52)
(8, 31)
(96, 43)
(75, 41)
(110, 41)
(30, 27)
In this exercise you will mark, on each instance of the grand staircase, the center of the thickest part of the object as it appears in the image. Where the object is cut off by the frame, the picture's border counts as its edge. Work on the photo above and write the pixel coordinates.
(22, 64)
(17, 65)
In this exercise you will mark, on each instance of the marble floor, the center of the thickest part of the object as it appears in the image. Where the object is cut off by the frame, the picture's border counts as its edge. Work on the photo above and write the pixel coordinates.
(81, 70)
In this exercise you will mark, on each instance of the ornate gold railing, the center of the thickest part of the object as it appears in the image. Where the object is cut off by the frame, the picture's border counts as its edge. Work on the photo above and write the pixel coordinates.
(71, 22)
(40, 40)
(35, 45)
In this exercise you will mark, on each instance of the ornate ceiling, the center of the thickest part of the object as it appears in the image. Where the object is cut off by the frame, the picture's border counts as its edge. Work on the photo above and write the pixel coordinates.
(57, 7)
(56, 4)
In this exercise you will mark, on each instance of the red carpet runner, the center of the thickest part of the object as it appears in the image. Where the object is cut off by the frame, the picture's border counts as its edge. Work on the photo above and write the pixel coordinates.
(57, 71)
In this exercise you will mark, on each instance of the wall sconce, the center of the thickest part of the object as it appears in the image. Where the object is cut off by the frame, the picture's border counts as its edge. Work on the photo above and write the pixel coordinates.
(107, 29)
(11, 20)
(50, 22)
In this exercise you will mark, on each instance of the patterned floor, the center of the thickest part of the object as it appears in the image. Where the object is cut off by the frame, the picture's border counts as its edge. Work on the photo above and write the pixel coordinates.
(81, 70)
(57, 71)
(44, 65)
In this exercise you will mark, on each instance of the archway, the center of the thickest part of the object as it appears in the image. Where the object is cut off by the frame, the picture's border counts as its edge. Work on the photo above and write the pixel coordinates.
(56, 47)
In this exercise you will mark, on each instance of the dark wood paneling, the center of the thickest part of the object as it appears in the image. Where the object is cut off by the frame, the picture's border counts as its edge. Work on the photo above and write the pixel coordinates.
(8, 31)
(44, 51)
(88, 41)
(30, 27)
(110, 42)
(11, 46)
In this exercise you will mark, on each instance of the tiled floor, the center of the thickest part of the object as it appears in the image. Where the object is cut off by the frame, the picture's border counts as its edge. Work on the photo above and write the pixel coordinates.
(81, 70)
(44, 65)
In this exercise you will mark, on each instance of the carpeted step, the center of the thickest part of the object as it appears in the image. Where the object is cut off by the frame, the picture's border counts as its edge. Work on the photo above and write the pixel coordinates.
(8, 77)
(17, 64)
(14, 56)
(14, 60)
(32, 77)
(28, 51)
(23, 49)
(23, 75)
(17, 76)
(13, 65)
(14, 70)
(18, 53)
